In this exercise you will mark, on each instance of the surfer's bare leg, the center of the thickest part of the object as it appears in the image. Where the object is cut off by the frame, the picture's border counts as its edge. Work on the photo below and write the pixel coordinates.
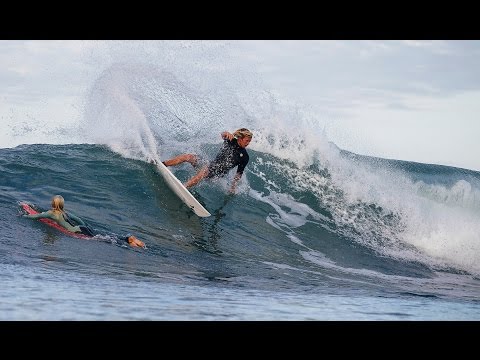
(191, 158)
(196, 179)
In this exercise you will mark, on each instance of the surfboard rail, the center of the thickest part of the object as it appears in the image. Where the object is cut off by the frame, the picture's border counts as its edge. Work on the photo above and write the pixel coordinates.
(181, 191)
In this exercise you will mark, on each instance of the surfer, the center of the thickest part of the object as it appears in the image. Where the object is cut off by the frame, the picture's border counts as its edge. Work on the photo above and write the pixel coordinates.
(233, 154)
(73, 223)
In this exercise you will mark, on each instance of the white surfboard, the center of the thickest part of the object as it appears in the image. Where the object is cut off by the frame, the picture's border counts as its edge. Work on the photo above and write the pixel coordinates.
(181, 191)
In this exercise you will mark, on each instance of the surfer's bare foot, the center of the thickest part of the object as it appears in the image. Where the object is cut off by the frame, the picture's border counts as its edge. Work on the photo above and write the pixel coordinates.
(134, 242)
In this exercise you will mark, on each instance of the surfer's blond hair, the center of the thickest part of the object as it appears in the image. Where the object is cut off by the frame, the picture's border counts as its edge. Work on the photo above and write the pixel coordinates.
(58, 203)
(243, 132)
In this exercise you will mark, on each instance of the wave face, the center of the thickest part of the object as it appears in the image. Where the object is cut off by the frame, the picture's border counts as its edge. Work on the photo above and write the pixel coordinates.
(378, 224)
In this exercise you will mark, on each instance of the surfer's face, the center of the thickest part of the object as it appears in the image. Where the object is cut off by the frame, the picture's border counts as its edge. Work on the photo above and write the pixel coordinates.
(243, 142)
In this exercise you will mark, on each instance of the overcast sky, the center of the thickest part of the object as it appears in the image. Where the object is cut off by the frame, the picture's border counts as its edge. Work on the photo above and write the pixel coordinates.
(408, 100)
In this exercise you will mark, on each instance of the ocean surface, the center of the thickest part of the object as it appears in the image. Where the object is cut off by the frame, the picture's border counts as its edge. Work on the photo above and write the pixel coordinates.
(292, 244)
(314, 232)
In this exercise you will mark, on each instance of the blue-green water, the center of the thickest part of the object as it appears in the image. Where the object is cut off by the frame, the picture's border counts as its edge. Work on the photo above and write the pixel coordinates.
(268, 253)
(45, 293)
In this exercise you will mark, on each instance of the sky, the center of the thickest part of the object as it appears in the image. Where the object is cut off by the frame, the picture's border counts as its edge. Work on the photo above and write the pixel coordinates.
(408, 100)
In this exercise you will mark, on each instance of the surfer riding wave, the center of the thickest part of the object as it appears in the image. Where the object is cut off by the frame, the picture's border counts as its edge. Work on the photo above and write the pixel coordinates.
(233, 154)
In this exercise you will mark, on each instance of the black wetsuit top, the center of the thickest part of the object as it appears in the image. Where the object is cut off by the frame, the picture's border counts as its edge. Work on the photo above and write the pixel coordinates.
(230, 156)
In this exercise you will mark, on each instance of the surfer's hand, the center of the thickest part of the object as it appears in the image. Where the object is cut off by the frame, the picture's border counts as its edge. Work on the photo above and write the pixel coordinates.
(227, 135)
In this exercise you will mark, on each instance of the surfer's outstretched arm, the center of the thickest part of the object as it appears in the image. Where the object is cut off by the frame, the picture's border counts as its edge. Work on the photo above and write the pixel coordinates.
(235, 182)
(42, 215)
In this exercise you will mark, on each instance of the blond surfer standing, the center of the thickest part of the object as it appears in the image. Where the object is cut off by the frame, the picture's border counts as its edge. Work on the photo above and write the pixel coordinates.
(233, 154)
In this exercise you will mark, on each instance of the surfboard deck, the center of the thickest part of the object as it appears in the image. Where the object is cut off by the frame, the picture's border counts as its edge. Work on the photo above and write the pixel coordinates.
(181, 191)
(29, 210)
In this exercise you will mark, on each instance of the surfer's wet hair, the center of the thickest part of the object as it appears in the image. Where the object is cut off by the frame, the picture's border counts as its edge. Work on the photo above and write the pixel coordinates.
(58, 203)
(243, 132)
